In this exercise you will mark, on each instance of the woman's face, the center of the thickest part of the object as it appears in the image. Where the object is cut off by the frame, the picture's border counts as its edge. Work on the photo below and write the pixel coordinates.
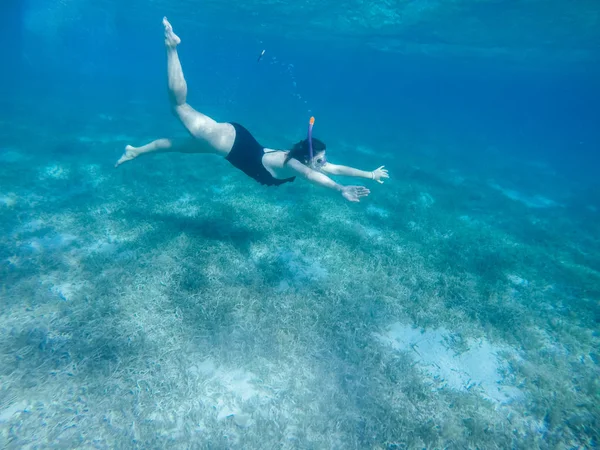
(319, 159)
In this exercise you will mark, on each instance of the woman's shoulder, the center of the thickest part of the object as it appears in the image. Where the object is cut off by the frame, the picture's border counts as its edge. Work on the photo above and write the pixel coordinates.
(275, 156)
(276, 161)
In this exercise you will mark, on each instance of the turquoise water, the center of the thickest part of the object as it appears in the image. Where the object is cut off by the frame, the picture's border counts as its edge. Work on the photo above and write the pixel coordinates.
(174, 302)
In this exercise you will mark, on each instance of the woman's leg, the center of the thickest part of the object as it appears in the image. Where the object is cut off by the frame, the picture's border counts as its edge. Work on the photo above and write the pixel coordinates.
(187, 145)
(208, 136)
(218, 136)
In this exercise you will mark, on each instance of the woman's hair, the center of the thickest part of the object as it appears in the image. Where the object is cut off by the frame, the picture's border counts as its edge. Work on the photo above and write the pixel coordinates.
(301, 150)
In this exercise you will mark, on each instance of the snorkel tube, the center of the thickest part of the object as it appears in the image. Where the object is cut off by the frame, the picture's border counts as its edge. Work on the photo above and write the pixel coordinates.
(311, 123)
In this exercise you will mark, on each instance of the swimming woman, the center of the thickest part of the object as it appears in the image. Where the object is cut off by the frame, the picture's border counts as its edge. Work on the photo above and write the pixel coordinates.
(235, 143)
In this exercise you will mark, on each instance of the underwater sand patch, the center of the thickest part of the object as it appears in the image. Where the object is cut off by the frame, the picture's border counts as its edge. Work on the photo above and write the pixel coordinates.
(8, 200)
(115, 232)
(302, 269)
(372, 234)
(426, 200)
(30, 226)
(532, 201)
(106, 209)
(93, 174)
(55, 172)
(11, 155)
(377, 211)
(66, 291)
(63, 285)
(229, 391)
(478, 367)
(468, 220)
(517, 280)
(365, 150)
(49, 243)
(7, 412)
(187, 205)
(455, 178)
(100, 246)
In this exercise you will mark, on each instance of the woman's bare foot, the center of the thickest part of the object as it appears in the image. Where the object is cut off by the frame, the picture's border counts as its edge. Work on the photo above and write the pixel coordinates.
(171, 39)
(130, 153)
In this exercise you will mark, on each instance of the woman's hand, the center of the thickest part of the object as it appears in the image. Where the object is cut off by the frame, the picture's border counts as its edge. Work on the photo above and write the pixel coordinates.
(380, 173)
(354, 193)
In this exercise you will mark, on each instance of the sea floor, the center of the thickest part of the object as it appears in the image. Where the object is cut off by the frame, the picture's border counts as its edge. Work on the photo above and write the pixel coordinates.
(173, 302)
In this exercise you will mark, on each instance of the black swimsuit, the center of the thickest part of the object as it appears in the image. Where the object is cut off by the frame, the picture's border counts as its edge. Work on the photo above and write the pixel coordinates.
(246, 154)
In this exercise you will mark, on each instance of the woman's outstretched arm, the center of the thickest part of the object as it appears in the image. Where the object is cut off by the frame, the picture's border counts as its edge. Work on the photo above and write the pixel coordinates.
(334, 169)
(350, 193)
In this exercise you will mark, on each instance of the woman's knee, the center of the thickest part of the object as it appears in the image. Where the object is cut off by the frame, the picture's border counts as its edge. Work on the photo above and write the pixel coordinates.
(177, 97)
(188, 117)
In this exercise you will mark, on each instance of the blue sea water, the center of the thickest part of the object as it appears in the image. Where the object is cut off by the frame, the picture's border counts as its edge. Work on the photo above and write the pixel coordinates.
(175, 302)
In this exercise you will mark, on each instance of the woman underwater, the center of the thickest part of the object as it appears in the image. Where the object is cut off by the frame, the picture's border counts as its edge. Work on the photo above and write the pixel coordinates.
(231, 140)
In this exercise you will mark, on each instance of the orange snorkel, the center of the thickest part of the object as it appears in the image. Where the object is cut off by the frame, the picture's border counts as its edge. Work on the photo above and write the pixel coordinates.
(311, 123)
